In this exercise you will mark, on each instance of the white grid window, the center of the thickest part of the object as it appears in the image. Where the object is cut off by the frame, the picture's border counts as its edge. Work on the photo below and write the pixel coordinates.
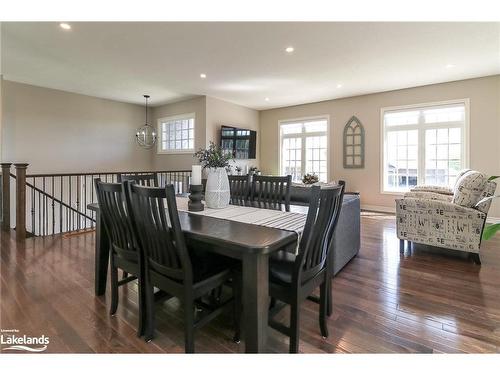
(423, 145)
(304, 148)
(176, 134)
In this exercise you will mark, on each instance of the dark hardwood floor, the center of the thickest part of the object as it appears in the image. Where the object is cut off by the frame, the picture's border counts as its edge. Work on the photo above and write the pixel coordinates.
(422, 301)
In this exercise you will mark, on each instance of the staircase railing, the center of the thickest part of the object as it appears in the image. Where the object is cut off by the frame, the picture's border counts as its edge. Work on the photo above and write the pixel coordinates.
(48, 204)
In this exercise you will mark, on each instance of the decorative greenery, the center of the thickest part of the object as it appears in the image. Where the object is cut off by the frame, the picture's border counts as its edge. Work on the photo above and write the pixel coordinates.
(213, 157)
(310, 178)
(238, 169)
(490, 230)
(253, 170)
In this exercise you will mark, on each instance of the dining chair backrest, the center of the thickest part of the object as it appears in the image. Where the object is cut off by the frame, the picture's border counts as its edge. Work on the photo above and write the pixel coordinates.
(116, 219)
(272, 192)
(150, 179)
(322, 217)
(239, 187)
(159, 231)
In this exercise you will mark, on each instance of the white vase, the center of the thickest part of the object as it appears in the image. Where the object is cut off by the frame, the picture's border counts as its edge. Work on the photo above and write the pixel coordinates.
(217, 190)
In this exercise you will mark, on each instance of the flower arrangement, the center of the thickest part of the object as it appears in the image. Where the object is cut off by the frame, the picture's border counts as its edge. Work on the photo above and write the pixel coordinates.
(310, 178)
(213, 157)
(253, 170)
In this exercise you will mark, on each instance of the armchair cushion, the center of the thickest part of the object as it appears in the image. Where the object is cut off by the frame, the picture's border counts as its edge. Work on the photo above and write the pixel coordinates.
(469, 188)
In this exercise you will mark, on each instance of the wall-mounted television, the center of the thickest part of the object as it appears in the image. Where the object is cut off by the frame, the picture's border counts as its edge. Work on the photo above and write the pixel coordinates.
(241, 143)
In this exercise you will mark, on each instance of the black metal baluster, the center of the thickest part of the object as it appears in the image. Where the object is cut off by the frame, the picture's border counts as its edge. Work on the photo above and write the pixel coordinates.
(53, 208)
(33, 208)
(78, 197)
(70, 212)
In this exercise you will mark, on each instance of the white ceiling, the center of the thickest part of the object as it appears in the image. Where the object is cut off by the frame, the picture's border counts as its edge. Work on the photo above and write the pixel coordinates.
(245, 62)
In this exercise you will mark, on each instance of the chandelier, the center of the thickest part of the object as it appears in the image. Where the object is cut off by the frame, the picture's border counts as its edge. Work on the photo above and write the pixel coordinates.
(146, 134)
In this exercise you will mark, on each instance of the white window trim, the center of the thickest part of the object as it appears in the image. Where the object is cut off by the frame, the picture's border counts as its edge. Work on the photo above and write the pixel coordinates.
(171, 118)
(307, 118)
(465, 147)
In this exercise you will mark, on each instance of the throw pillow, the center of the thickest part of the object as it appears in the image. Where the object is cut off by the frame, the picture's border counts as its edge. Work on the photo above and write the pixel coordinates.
(469, 188)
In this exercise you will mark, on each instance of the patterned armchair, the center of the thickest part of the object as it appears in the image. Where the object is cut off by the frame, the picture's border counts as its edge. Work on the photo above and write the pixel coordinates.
(448, 218)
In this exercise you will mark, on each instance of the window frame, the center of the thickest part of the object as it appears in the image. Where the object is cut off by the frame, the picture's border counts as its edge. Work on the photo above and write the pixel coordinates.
(421, 138)
(182, 116)
(302, 136)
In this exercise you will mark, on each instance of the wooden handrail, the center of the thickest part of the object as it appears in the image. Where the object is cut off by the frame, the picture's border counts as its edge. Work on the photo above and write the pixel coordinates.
(101, 173)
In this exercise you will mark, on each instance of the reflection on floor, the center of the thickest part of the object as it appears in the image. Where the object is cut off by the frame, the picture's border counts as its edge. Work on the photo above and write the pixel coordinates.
(423, 300)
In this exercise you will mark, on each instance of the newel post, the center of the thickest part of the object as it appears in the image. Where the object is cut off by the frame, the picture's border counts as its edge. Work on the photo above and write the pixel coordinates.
(20, 200)
(6, 195)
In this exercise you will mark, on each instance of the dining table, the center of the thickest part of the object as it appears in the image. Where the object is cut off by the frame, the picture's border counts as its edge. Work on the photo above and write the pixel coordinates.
(250, 243)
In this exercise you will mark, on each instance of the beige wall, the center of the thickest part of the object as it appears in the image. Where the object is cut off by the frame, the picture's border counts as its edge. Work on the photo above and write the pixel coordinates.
(210, 114)
(56, 131)
(180, 161)
(220, 112)
(484, 94)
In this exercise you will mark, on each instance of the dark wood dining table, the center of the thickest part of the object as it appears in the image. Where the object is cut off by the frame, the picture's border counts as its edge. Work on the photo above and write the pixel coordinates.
(250, 243)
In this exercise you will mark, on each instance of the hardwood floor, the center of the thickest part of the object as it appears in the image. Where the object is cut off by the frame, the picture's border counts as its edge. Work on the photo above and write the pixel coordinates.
(422, 301)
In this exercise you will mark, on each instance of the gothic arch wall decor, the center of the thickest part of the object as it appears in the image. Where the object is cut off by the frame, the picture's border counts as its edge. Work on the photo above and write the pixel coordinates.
(354, 144)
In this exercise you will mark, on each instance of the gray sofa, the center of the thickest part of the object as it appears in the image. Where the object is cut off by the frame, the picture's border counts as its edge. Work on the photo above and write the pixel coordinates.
(347, 234)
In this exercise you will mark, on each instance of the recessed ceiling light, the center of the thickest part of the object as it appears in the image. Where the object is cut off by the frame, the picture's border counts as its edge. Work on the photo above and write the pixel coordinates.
(203, 75)
(65, 26)
(339, 85)
(289, 49)
(449, 66)
(266, 99)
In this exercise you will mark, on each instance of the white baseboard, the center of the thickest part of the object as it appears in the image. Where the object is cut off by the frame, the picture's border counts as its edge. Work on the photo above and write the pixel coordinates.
(369, 207)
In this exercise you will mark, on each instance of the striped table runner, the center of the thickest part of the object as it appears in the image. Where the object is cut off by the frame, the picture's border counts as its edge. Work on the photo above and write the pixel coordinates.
(291, 221)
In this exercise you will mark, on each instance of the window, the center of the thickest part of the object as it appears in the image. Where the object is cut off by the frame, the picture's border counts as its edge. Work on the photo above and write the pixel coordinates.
(176, 134)
(304, 148)
(425, 144)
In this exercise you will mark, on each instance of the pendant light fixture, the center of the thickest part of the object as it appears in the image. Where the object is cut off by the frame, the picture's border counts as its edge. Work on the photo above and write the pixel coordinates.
(146, 134)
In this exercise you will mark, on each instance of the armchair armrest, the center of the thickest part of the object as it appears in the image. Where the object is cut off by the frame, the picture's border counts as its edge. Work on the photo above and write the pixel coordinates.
(420, 194)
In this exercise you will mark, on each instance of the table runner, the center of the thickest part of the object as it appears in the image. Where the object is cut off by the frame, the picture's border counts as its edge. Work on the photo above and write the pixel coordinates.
(291, 221)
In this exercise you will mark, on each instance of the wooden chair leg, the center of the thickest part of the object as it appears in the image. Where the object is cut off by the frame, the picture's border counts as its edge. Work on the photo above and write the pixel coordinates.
(323, 307)
(189, 325)
(294, 326)
(401, 245)
(149, 313)
(329, 297)
(475, 257)
(114, 289)
(142, 310)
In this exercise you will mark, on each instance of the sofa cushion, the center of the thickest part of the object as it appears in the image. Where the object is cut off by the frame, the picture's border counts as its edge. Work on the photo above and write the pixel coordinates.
(469, 188)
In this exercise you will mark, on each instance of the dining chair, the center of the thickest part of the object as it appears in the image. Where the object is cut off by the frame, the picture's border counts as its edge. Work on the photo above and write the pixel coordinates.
(293, 278)
(173, 267)
(272, 192)
(150, 179)
(125, 253)
(239, 187)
